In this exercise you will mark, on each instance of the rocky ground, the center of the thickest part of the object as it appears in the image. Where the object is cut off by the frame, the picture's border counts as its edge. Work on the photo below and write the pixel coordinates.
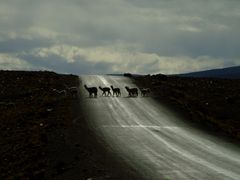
(42, 132)
(44, 135)
(212, 103)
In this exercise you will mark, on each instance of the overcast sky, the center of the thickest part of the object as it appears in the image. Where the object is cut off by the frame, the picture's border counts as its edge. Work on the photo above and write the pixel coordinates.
(114, 36)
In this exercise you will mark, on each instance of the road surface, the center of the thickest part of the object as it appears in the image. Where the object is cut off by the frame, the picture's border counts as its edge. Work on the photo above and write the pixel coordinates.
(153, 140)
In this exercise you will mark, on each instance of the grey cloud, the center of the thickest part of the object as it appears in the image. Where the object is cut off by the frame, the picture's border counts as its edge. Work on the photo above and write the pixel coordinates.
(20, 44)
(60, 64)
(218, 45)
(170, 28)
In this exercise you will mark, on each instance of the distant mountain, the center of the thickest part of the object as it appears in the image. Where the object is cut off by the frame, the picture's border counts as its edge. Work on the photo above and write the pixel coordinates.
(229, 73)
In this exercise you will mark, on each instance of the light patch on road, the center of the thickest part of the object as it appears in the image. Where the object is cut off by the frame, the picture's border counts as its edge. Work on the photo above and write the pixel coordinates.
(141, 126)
(155, 141)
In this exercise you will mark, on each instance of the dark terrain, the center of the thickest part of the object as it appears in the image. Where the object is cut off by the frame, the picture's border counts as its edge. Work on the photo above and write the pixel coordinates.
(43, 134)
(211, 102)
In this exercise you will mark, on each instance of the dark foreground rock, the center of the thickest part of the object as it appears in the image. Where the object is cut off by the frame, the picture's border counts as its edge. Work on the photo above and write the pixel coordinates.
(43, 134)
(213, 103)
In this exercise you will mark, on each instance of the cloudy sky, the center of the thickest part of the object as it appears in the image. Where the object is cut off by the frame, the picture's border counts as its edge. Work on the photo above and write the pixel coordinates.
(114, 36)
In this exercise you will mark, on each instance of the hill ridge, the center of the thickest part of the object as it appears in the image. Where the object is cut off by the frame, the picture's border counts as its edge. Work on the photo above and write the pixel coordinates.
(228, 73)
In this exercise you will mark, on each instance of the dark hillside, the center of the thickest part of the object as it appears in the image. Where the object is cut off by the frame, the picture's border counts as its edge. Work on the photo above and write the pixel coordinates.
(227, 73)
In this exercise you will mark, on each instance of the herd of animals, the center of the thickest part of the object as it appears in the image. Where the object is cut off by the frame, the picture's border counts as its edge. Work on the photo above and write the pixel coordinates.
(73, 91)
(106, 91)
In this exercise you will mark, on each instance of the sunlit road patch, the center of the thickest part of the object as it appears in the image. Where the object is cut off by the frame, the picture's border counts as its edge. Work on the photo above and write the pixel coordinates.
(153, 140)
